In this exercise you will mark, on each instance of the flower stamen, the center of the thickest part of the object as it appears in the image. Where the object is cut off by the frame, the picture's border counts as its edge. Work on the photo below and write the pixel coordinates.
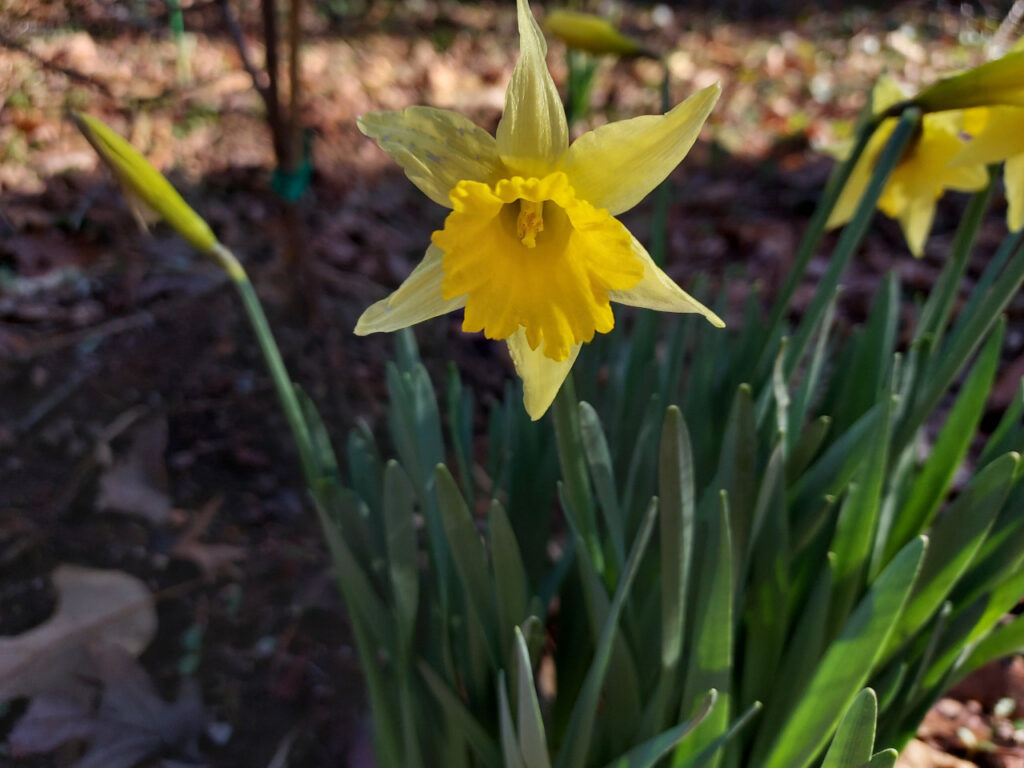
(530, 222)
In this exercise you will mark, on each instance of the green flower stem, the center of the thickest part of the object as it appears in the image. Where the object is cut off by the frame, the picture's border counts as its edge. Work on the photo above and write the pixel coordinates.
(811, 240)
(936, 312)
(850, 238)
(275, 364)
(574, 470)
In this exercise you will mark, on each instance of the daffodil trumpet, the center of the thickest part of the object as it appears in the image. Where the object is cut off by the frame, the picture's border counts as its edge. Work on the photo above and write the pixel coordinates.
(532, 250)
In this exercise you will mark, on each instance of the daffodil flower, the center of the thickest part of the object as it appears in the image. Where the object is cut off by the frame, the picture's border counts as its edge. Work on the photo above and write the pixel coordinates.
(998, 135)
(922, 174)
(532, 249)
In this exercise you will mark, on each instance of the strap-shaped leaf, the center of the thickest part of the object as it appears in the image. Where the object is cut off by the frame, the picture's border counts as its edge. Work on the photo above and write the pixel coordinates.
(711, 637)
(510, 584)
(676, 494)
(463, 721)
(533, 743)
(647, 754)
(847, 663)
(855, 737)
(581, 723)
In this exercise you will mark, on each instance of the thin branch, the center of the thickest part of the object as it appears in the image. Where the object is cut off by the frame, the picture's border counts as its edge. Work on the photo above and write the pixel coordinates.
(78, 77)
(259, 78)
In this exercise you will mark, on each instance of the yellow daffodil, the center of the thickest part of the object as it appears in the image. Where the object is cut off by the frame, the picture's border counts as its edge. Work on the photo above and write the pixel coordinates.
(593, 34)
(922, 174)
(998, 135)
(531, 249)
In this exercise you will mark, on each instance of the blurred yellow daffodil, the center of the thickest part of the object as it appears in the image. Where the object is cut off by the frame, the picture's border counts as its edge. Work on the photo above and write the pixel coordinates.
(589, 33)
(998, 135)
(531, 248)
(922, 174)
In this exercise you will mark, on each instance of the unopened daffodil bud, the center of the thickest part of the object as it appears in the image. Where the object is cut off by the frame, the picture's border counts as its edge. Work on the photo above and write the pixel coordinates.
(994, 83)
(142, 182)
(589, 33)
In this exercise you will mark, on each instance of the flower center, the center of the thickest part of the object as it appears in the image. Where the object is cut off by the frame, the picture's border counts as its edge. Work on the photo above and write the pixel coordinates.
(528, 252)
(530, 222)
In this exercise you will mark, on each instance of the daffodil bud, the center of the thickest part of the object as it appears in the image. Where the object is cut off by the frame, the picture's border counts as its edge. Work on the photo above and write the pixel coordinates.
(144, 183)
(995, 83)
(593, 34)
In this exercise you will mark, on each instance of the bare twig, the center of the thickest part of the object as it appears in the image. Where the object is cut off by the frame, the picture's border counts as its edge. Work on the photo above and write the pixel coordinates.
(71, 74)
(259, 78)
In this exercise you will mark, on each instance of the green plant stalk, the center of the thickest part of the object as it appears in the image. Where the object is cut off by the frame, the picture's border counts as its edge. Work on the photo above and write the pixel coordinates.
(936, 316)
(851, 237)
(275, 365)
(811, 239)
(177, 24)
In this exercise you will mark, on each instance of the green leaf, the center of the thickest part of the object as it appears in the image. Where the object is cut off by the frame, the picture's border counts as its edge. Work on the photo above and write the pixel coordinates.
(533, 743)
(401, 550)
(676, 492)
(647, 754)
(509, 740)
(510, 585)
(847, 663)
(806, 448)
(855, 736)
(595, 446)
(855, 528)
(1007, 436)
(468, 553)
(884, 759)
(765, 618)
(953, 542)
(577, 739)
(711, 636)
(1003, 641)
(949, 450)
(712, 751)
(737, 467)
(463, 721)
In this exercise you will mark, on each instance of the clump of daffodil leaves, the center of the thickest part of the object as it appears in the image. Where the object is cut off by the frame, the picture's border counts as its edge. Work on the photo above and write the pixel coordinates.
(972, 119)
(532, 249)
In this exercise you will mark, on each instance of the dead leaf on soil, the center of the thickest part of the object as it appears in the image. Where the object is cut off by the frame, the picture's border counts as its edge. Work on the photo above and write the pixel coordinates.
(127, 724)
(918, 754)
(213, 560)
(93, 607)
(136, 483)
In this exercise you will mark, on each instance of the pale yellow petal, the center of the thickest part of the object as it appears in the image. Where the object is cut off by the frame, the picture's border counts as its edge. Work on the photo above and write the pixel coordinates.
(916, 222)
(859, 177)
(542, 377)
(417, 299)
(617, 165)
(532, 135)
(1001, 137)
(436, 148)
(1013, 178)
(658, 291)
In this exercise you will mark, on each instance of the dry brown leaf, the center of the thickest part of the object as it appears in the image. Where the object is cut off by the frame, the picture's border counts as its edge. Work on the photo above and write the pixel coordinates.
(918, 754)
(213, 560)
(136, 484)
(129, 723)
(93, 607)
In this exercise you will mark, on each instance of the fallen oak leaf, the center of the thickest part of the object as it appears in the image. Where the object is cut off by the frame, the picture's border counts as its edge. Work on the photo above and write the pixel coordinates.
(93, 606)
(136, 483)
(127, 724)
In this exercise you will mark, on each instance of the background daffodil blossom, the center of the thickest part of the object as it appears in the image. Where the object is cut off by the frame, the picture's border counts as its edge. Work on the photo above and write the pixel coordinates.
(998, 135)
(586, 32)
(922, 175)
(532, 249)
